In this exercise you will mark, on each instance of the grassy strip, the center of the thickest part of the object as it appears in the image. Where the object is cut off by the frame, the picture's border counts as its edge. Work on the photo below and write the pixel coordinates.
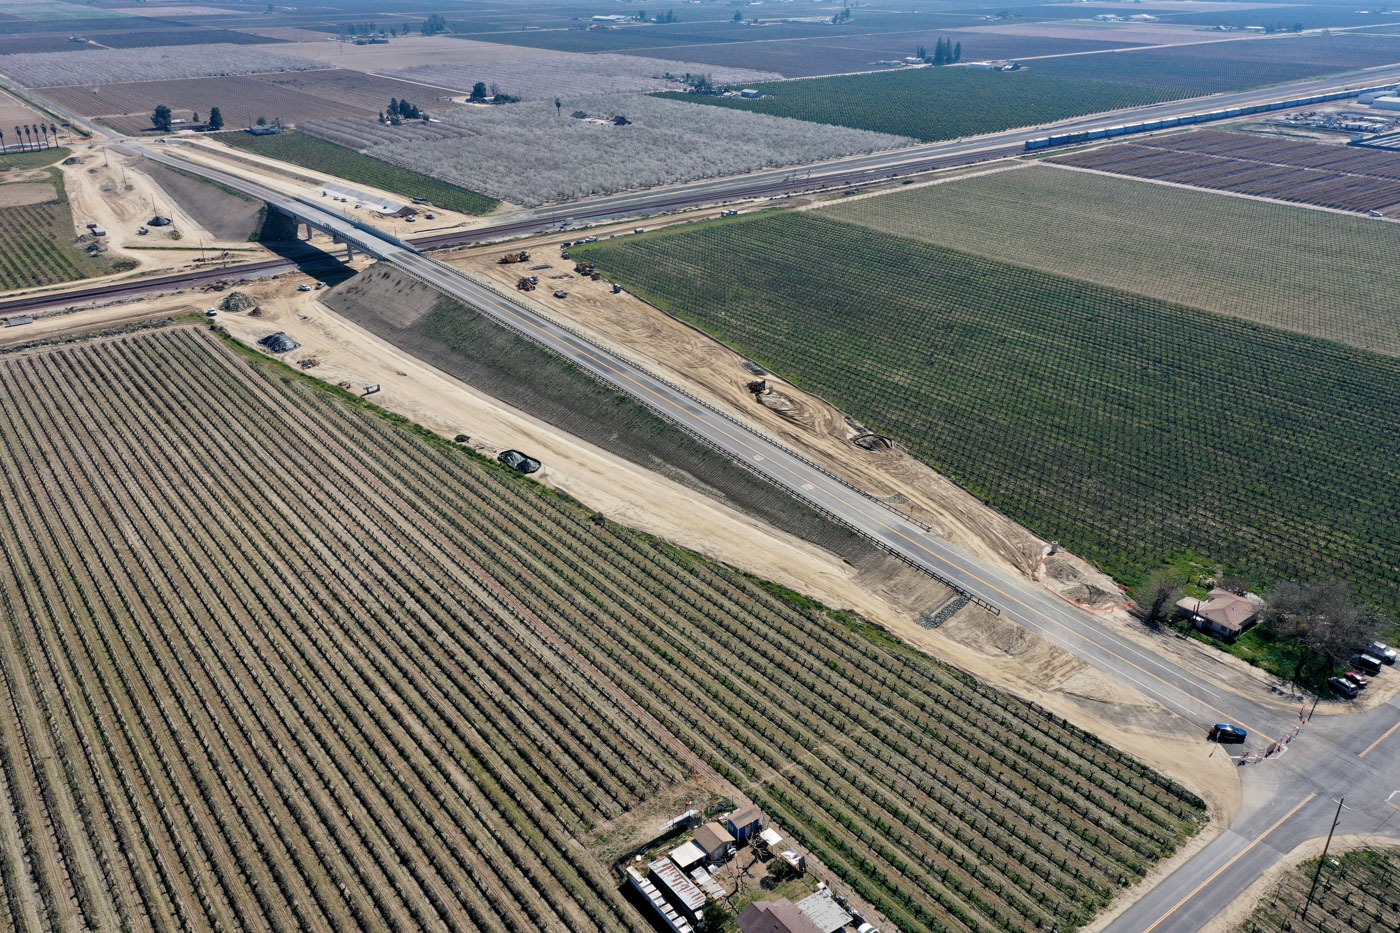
(342, 162)
(1127, 428)
(939, 103)
(31, 158)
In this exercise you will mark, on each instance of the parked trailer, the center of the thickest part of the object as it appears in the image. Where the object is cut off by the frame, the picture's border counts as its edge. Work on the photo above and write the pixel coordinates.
(1111, 132)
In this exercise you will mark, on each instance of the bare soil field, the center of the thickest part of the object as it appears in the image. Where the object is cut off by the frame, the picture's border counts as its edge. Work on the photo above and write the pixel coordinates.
(13, 111)
(1129, 33)
(10, 45)
(349, 696)
(242, 99)
(363, 92)
(145, 38)
(414, 50)
(22, 193)
(1342, 177)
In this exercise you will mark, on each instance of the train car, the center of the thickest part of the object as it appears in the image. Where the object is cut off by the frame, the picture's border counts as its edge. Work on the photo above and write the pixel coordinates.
(1041, 143)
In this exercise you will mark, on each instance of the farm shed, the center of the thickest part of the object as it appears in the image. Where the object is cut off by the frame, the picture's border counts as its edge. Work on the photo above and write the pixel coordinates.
(678, 890)
(692, 853)
(1221, 612)
(715, 840)
(652, 895)
(743, 823)
(780, 916)
(820, 908)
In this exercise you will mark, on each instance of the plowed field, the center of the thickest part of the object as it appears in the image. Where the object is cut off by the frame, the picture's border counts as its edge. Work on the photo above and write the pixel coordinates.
(1342, 177)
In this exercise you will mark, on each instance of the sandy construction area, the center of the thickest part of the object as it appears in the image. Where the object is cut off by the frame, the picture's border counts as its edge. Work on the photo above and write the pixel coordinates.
(167, 12)
(413, 50)
(105, 188)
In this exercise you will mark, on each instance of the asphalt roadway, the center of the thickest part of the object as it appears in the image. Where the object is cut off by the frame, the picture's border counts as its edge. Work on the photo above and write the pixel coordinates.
(1289, 797)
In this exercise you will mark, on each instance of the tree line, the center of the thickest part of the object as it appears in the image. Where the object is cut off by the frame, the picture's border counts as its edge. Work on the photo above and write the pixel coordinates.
(33, 136)
(162, 118)
(945, 52)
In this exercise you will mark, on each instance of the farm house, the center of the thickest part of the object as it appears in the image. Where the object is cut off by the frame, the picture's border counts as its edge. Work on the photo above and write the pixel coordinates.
(1221, 613)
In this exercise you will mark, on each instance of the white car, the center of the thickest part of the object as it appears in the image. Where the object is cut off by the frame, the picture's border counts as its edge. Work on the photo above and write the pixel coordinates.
(303, 287)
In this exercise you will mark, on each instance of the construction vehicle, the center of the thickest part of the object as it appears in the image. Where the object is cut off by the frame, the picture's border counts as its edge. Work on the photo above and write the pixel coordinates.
(584, 268)
(527, 283)
(521, 256)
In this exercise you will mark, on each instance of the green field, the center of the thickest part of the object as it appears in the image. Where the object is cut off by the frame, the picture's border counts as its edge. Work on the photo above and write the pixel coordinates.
(36, 240)
(1361, 891)
(1125, 427)
(273, 660)
(323, 156)
(938, 103)
(1314, 272)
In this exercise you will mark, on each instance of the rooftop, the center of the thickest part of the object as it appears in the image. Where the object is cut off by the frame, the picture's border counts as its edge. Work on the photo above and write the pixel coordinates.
(665, 873)
(780, 916)
(743, 816)
(1227, 610)
(713, 837)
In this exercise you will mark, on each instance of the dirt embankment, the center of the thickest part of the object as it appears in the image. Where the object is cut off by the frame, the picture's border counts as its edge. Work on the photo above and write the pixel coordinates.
(799, 419)
(458, 340)
(226, 215)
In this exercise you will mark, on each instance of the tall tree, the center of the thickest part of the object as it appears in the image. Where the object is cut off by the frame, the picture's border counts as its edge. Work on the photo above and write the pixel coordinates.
(19, 135)
(2, 140)
(161, 117)
(1323, 619)
(216, 118)
(957, 52)
(479, 91)
(1159, 596)
(53, 128)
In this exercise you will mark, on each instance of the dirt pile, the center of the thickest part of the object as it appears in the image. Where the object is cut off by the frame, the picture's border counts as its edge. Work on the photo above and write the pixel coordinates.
(236, 301)
(1080, 582)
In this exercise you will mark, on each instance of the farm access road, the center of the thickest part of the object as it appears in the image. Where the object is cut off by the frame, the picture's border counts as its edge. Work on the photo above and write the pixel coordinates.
(1288, 797)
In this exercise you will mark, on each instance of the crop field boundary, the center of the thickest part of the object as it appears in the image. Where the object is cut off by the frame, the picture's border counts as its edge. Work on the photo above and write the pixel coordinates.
(1064, 167)
(690, 396)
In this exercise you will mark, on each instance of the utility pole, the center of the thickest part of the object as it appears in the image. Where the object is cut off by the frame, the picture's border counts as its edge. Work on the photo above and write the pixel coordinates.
(1323, 861)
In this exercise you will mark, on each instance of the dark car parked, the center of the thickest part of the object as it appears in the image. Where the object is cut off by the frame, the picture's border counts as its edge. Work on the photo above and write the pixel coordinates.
(518, 461)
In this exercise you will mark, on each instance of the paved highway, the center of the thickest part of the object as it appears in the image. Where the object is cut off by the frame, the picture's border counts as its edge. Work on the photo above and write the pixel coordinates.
(1289, 798)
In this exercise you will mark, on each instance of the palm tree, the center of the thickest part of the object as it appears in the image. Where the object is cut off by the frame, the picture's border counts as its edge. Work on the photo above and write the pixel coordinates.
(19, 134)
(2, 140)
(29, 132)
(53, 128)
(44, 130)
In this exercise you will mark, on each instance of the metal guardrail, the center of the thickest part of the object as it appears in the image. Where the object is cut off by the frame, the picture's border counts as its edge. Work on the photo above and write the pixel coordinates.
(881, 545)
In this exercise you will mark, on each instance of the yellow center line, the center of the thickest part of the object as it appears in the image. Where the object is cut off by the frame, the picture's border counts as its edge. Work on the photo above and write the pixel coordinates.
(534, 325)
(1238, 855)
(1388, 733)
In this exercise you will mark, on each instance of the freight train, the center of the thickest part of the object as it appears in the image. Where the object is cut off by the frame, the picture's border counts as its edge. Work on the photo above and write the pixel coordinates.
(1208, 116)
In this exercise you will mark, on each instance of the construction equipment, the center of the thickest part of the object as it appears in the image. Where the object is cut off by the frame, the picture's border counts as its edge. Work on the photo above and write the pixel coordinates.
(521, 256)
(527, 283)
(584, 268)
